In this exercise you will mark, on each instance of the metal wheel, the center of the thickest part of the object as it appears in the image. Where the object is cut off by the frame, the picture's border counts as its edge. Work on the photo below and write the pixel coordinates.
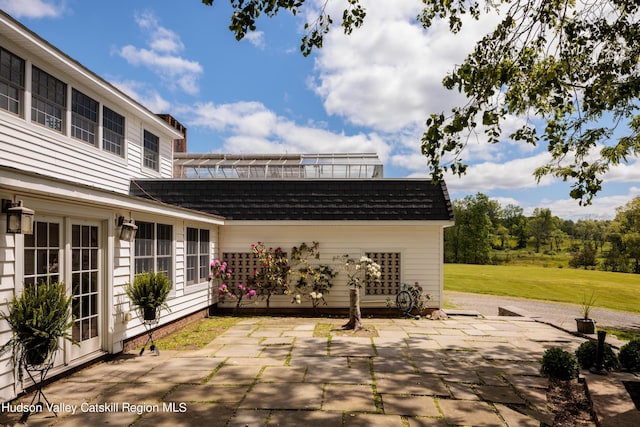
(404, 302)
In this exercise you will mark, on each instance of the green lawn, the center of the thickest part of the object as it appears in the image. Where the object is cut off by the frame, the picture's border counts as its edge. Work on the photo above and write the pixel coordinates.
(617, 291)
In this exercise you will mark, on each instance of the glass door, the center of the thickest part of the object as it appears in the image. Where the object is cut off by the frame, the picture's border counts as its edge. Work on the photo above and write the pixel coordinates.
(86, 288)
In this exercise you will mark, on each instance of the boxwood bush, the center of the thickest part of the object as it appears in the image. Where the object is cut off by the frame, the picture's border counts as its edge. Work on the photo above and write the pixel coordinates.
(559, 364)
(630, 356)
(587, 352)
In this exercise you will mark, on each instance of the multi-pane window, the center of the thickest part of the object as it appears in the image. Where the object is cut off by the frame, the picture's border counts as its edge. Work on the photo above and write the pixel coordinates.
(85, 269)
(112, 131)
(42, 253)
(154, 248)
(197, 255)
(11, 81)
(151, 153)
(84, 117)
(390, 281)
(49, 100)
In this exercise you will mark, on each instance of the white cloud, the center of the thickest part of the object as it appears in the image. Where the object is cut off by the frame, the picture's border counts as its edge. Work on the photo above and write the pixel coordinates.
(146, 96)
(249, 127)
(162, 56)
(256, 38)
(512, 174)
(33, 8)
(603, 207)
(387, 75)
(628, 172)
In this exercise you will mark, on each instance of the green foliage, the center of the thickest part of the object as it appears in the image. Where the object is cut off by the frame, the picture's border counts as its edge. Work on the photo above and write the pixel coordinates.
(246, 13)
(567, 62)
(629, 355)
(585, 257)
(273, 272)
(587, 304)
(149, 290)
(586, 355)
(38, 317)
(559, 364)
(468, 240)
(419, 297)
(314, 281)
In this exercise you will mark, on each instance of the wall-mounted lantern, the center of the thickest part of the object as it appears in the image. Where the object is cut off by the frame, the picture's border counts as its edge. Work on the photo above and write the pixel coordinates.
(19, 219)
(128, 229)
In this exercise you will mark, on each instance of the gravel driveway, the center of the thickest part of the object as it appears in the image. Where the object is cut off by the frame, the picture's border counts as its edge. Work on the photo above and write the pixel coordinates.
(559, 314)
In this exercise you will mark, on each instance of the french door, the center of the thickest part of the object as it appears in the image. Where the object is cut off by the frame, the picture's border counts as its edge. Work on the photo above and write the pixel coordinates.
(46, 258)
(86, 281)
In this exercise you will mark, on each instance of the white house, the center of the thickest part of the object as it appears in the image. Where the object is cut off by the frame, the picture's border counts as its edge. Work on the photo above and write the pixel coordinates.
(69, 145)
(88, 159)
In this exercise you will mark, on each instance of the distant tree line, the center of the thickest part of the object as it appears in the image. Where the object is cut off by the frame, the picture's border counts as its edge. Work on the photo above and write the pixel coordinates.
(484, 229)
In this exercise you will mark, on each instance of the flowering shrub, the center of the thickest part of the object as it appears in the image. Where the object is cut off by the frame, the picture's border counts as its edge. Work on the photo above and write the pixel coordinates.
(221, 274)
(314, 284)
(273, 272)
(419, 298)
(361, 272)
(219, 271)
(238, 293)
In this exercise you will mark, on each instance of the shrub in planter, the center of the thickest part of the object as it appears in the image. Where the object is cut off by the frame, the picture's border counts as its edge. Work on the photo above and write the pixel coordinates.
(38, 317)
(587, 351)
(559, 364)
(149, 292)
(629, 356)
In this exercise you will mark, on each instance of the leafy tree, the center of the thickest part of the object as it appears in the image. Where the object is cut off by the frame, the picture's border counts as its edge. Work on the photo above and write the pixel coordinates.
(469, 240)
(567, 68)
(541, 227)
(513, 218)
(627, 222)
(585, 257)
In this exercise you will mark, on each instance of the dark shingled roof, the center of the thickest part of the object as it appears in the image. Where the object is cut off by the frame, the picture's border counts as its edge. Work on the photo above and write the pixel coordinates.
(313, 199)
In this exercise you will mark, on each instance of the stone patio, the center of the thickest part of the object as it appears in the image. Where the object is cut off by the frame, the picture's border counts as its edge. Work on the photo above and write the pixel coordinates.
(272, 371)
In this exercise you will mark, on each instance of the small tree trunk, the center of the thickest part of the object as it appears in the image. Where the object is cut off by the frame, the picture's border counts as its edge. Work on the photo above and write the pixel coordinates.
(355, 317)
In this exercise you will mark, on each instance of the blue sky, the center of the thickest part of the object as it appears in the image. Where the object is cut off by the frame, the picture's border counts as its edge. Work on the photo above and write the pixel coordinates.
(368, 92)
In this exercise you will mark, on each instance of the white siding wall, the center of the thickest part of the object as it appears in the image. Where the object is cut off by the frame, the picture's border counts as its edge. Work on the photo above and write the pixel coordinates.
(35, 148)
(7, 271)
(185, 299)
(420, 246)
(117, 262)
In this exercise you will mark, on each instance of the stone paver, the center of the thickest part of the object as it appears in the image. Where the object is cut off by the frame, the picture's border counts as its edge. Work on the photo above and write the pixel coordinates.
(461, 371)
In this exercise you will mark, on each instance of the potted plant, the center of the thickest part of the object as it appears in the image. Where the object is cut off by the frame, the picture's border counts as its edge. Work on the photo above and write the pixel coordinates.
(149, 292)
(38, 317)
(585, 324)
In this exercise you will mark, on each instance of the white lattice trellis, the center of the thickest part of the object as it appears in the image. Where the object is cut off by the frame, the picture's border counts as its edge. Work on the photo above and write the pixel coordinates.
(390, 277)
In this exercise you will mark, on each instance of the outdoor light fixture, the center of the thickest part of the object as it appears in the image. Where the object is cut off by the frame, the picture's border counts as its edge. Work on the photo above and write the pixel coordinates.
(19, 219)
(128, 229)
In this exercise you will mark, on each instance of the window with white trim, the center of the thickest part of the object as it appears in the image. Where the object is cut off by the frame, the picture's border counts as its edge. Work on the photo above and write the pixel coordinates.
(151, 154)
(198, 253)
(390, 272)
(154, 248)
(48, 100)
(84, 117)
(112, 131)
(42, 253)
(11, 82)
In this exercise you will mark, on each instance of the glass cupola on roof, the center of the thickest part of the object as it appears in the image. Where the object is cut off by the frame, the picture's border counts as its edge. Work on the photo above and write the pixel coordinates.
(286, 166)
